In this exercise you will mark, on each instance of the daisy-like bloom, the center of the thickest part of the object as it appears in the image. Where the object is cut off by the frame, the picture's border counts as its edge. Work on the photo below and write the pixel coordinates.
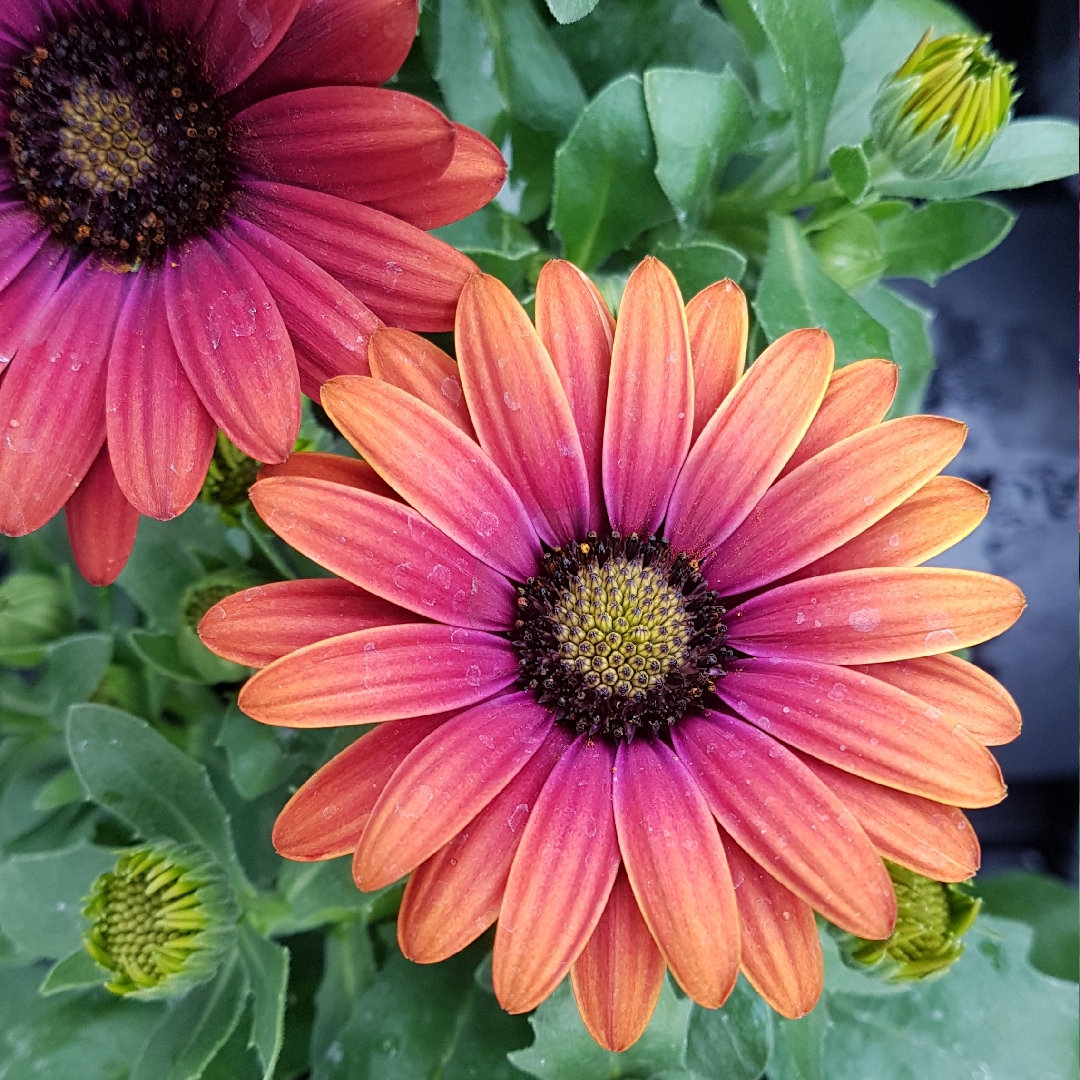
(654, 671)
(206, 207)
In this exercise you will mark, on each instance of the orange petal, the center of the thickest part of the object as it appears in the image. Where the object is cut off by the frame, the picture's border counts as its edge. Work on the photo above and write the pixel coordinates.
(650, 406)
(438, 469)
(259, 625)
(618, 977)
(454, 896)
(326, 817)
(832, 498)
(864, 726)
(333, 467)
(383, 673)
(675, 862)
(928, 837)
(781, 950)
(718, 325)
(960, 690)
(938, 515)
(519, 409)
(859, 396)
(445, 782)
(781, 815)
(577, 330)
(745, 444)
(421, 368)
(560, 878)
(869, 616)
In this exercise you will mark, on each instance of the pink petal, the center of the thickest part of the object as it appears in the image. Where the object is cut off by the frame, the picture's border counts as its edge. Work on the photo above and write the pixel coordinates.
(406, 277)
(719, 325)
(162, 438)
(352, 472)
(749, 438)
(383, 673)
(560, 878)
(259, 625)
(650, 406)
(780, 814)
(445, 782)
(865, 726)
(22, 235)
(236, 38)
(234, 346)
(577, 330)
(101, 524)
(25, 298)
(52, 398)
(519, 410)
(438, 469)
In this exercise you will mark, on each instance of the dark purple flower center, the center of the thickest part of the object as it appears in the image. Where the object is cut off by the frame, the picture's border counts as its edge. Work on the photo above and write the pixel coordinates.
(619, 636)
(117, 139)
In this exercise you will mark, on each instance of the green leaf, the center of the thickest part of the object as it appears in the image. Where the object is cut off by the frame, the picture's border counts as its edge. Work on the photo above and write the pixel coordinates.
(161, 652)
(568, 11)
(851, 170)
(324, 892)
(1049, 907)
(796, 292)
(74, 670)
(196, 1027)
(497, 242)
(798, 1046)
(699, 262)
(1028, 151)
(156, 789)
(75, 972)
(605, 190)
(466, 67)
(348, 970)
(257, 759)
(527, 193)
(564, 1050)
(804, 39)
(848, 14)
(267, 965)
(33, 609)
(732, 1042)
(908, 326)
(941, 237)
(849, 251)
(698, 120)
(63, 789)
(41, 898)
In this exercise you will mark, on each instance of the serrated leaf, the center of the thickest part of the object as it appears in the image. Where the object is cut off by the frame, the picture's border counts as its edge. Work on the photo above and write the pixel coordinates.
(568, 11)
(908, 326)
(267, 965)
(699, 262)
(732, 1042)
(851, 171)
(941, 237)
(605, 190)
(75, 972)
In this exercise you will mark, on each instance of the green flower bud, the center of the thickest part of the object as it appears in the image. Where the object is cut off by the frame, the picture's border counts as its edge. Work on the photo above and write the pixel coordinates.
(194, 604)
(162, 920)
(932, 918)
(228, 478)
(32, 609)
(937, 116)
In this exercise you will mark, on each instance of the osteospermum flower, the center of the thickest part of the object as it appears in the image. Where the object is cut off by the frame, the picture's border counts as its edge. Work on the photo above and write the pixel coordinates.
(655, 673)
(205, 208)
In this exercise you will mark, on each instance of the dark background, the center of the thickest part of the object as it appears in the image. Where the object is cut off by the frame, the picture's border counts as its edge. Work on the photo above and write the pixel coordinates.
(1005, 334)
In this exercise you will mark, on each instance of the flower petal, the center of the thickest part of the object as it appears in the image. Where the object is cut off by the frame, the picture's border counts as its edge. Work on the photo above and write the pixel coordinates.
(650, 405)
(235, 39)
(438, 469)
(405, 276)
(858, 397)
(560, 879)
(675, 861)
(781, 950)
(928, 837)
(960, 690)
(22, 236)
(52, 398)
(471, 180)
(618, 977)
(382, 673)
(869, 616)
(781, 815)
(749, 438)
(234, 346)
(519, 410)
(577, 330)
(864, 726)
(455, 895)
(421, 368)
(161, 438)
(387, 548)
(445, 782)
(718, 324)
(832, 498)
(262, 624)
(333, 467)
(26, 296)
(101, 523)
(329, 327)
(326, 817)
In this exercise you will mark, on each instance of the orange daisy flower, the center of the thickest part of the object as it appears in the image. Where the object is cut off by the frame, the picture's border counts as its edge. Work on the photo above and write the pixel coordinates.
(654, 671)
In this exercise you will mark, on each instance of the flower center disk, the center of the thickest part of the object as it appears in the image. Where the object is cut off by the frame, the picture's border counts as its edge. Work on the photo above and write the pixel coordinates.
(619, 636)
(117, 139)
